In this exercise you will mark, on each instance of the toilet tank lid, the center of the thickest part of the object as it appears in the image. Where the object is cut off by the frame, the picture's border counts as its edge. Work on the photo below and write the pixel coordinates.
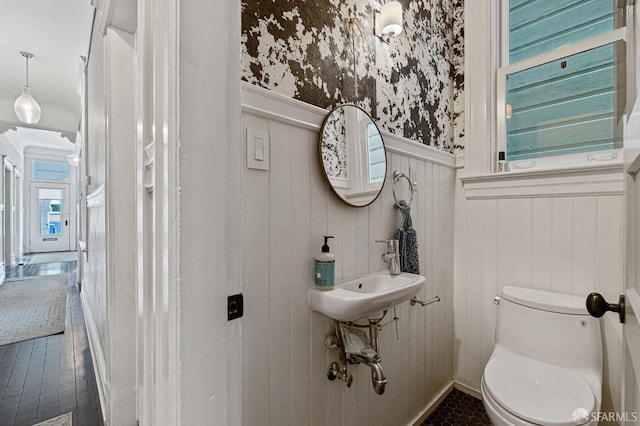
(546, 300)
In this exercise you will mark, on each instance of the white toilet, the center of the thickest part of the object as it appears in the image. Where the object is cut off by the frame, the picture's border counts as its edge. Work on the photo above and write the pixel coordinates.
(546, 366)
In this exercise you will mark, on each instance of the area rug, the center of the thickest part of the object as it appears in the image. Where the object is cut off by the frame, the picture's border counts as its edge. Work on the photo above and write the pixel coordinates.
(60, 256)
(32, 307)
(63, 420)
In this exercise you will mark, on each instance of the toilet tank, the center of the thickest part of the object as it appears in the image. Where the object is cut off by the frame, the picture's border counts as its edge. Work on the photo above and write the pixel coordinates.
(551, 327)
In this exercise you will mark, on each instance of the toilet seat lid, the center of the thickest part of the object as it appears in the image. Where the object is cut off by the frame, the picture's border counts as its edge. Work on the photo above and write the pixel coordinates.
(538, 392)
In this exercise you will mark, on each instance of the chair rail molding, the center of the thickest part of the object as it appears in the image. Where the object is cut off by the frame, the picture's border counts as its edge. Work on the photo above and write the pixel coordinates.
(96, 198)
(560, 182)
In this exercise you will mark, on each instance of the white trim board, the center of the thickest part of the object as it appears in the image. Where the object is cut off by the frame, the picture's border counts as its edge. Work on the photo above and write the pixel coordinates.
(565, 182)
(96, 198)
(97, 356)
(264, 103)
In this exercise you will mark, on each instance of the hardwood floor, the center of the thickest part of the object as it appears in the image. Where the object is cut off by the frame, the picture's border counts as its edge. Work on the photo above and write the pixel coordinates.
(49, 376)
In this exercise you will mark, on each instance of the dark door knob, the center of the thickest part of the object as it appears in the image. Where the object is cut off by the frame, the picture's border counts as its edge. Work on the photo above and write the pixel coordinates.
(597, 306)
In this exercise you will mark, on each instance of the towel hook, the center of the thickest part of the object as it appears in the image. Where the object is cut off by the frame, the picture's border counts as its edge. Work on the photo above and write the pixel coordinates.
(396, 177)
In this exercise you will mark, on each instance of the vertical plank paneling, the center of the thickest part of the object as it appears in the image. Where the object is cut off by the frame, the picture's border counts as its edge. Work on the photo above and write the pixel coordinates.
(541, 243)
(584, 245)
(279, 275)
(506, 236)
(425, 358)
(522, 242)
(447, 286)
(609, 252)
(562, 245)
(362, 241)
(472, 345)
(286, 212)
(349, 253)
(256, 290)
(435, 313)
(301, 274)
(609, 282)
(349, 242)
(337, 215)
(460, 279)
(567, 244)
(416, 322)
(489, 274)
(320, 325)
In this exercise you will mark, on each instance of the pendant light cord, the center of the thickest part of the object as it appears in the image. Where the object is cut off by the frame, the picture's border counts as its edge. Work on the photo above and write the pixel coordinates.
(27, 56)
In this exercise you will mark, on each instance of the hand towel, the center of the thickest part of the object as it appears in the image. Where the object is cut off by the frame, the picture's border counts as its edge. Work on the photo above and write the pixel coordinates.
(407, 241)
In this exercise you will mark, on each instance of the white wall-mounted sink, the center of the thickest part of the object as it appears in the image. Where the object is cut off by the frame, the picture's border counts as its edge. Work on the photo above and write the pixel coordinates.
(365, 295)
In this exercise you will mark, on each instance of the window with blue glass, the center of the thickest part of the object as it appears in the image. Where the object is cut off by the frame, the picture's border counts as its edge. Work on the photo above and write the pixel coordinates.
(562, 76)
(50, 170)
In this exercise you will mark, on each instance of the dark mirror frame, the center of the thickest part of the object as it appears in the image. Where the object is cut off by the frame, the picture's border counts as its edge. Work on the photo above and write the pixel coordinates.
(324, 171)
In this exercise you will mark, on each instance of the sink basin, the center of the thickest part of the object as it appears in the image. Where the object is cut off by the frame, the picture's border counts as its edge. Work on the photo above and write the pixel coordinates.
(365, 295)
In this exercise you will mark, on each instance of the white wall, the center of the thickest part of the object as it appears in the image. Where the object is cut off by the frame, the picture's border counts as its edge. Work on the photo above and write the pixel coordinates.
(569, 244)
(108, 281)
(286, 211)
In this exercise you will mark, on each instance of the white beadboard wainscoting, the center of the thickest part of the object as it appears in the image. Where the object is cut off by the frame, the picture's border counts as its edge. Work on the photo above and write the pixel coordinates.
(568, 242)
(286, 212)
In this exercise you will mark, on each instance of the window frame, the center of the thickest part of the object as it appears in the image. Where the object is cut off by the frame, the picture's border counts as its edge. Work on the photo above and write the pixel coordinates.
(52, 161)
(504, 68)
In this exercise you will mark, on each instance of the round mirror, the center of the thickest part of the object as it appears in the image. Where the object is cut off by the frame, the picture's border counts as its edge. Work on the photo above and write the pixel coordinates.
(353, 156)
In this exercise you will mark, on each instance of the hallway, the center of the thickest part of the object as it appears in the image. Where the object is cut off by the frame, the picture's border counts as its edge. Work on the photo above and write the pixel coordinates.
(49, 376)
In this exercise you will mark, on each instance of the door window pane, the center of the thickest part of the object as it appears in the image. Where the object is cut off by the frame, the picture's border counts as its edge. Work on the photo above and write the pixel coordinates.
(50, 211)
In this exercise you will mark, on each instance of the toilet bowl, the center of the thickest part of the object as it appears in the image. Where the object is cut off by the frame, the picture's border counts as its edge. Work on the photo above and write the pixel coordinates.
(546, 366)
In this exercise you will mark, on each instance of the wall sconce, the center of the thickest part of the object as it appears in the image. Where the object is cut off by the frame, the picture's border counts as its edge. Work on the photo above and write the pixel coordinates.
(508, 111)
(73, 160)
(389, 23)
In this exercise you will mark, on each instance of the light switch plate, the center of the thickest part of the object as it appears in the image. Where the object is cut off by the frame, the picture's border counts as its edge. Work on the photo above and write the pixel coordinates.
(257, 149)
(413, 176)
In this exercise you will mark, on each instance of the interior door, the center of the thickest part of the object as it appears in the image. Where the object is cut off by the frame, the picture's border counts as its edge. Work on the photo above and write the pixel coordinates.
(631, 329)
(49, 221)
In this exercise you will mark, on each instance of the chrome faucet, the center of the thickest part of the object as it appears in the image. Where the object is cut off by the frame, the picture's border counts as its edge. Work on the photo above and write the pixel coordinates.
(392, 257)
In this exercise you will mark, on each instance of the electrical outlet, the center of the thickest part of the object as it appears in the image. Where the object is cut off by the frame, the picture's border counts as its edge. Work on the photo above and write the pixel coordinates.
(235, 308)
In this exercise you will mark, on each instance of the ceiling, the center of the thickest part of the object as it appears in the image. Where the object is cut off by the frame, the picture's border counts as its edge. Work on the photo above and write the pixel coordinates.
(57, 33)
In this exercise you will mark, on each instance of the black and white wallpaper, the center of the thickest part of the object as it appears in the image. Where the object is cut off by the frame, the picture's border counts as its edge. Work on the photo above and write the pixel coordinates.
(413, 86)
(334, 145)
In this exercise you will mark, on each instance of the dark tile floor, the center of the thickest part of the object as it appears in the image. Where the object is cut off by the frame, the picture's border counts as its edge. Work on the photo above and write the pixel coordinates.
(49, 376)
(458, 409)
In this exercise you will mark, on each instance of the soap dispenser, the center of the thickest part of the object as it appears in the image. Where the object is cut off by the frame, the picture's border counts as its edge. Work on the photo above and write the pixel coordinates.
(325, 267)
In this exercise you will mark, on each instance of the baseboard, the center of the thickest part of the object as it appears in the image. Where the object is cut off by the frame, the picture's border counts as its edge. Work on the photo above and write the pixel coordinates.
(433, 404)
(97, 356)
(469, 390)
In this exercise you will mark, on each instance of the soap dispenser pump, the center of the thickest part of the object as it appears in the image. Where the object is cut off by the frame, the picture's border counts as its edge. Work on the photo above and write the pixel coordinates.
(325, 267)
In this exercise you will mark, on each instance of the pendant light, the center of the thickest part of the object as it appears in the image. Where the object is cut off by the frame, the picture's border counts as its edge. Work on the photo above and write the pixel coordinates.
(26, 108)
